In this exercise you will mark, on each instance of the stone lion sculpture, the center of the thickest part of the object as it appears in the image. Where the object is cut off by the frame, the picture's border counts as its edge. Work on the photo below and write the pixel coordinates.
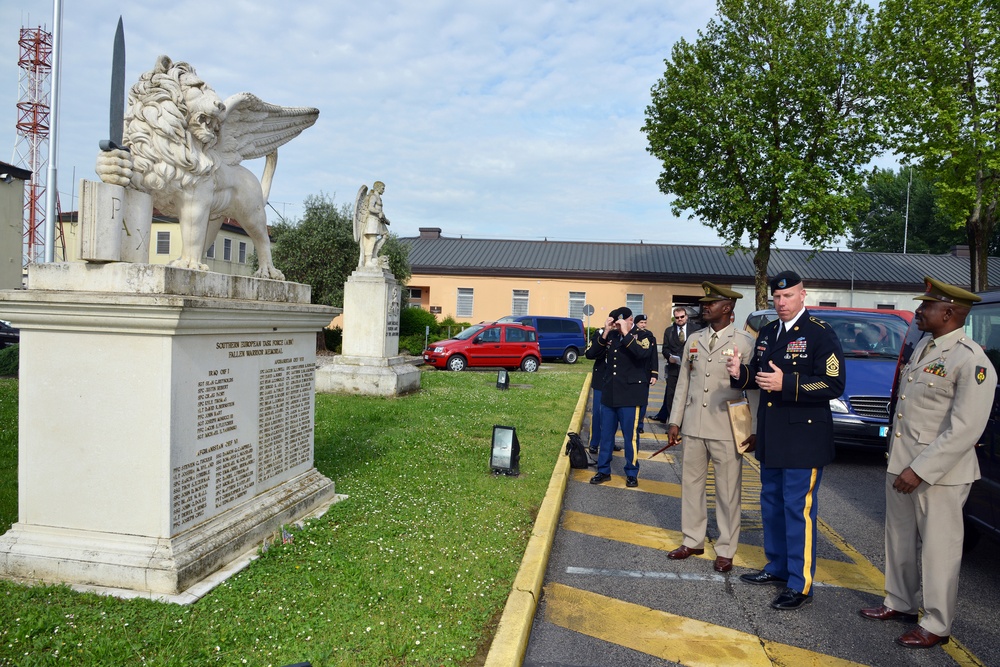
(185, 148)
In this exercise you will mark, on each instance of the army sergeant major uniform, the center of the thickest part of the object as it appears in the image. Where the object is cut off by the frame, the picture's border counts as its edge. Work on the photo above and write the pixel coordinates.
(626, 387)
(945, 397)
(798, 365)
(700, 412)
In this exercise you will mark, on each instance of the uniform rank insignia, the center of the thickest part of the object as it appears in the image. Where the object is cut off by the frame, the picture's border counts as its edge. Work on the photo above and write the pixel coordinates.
(937, 368)
(645, 343)
(980, 374)
(728, 352)
(693, 353)
(832, 365)
(796, 346)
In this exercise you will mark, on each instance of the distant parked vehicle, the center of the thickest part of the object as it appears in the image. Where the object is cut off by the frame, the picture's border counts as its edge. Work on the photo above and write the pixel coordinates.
(8, 334)
(501, 344)
(558, 337)
(871, 340)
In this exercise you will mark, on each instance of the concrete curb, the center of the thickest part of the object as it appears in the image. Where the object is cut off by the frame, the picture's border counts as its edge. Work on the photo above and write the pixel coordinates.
(511, 639)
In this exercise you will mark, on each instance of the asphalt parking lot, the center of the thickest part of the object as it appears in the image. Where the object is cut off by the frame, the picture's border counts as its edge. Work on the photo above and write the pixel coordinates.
(612, 597)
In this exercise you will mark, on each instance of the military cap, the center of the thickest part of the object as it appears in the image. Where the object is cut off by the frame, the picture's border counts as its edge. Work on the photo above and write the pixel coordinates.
(622, 313)
(784, 280)
(939, 291)
(715, 293)
(640, 318)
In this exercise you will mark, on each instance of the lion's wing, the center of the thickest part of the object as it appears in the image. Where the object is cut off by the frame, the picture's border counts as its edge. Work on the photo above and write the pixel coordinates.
(254, 128)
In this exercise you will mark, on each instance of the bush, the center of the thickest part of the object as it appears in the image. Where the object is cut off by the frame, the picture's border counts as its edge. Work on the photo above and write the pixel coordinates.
(333, 338)
(413, 321)
(413, 344)
(9, 361)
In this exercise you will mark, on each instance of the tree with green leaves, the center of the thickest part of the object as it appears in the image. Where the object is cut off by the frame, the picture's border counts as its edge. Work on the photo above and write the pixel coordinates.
(941, 60)
(765, 122)
(320, 250)
(903, 207)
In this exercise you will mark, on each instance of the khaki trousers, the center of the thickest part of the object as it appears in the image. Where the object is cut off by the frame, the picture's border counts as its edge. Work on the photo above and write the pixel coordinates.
(728, 467)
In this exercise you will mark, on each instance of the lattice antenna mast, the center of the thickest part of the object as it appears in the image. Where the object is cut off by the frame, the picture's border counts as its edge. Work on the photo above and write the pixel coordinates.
(31, 150)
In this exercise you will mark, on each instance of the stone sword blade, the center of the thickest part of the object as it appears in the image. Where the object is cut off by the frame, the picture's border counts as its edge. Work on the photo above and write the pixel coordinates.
(117, 105)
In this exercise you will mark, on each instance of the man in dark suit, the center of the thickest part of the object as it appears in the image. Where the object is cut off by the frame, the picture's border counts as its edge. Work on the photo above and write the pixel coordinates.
(674, 338)
(626, 387)
(652, 367)
(798, 366)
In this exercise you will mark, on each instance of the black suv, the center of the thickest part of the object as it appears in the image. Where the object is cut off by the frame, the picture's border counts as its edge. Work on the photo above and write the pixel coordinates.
(982, 510)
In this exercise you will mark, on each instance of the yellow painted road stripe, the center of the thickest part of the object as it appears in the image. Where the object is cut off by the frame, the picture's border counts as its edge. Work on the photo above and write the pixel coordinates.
(618, 482)
(830, 572)
(668, 636)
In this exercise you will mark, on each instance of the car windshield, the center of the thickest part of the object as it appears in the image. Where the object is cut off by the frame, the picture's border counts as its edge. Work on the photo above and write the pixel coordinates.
(983, 324)
(470, 332)
(866, 334)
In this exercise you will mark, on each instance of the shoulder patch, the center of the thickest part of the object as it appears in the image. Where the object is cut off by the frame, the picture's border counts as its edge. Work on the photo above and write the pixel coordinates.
(832, 365)
(980, 374)
(644, 342)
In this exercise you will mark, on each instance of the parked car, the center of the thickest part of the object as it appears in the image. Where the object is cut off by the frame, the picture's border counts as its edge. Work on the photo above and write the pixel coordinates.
(871, 340)
(8, 335)
(982, 509)
(501, 344)
(558, 337)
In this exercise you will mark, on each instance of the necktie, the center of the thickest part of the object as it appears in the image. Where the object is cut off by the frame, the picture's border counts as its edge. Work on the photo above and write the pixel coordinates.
(715, 339)
(680, 334)
(927, 350)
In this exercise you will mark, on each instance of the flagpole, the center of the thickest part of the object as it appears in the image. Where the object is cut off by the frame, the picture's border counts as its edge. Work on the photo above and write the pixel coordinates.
(51, 182)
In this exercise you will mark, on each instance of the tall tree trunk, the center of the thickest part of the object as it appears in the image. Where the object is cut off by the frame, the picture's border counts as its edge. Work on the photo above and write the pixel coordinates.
(761, 258)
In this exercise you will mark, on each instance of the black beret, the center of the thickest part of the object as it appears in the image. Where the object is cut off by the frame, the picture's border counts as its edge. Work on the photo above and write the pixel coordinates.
(622, 313)
(784, 280)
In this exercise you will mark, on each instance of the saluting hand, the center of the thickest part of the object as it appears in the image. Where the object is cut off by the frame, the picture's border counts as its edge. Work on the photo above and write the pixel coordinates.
(771, 381)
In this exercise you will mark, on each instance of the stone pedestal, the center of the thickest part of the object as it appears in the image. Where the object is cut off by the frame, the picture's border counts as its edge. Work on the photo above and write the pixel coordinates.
(166, 422)
(370, 364)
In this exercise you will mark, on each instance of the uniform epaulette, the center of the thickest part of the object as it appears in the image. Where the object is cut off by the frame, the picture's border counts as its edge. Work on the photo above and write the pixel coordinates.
(813, 318)
(970, 343)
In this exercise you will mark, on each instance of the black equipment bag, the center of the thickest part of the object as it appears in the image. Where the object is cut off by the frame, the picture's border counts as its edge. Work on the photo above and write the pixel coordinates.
(576, 451)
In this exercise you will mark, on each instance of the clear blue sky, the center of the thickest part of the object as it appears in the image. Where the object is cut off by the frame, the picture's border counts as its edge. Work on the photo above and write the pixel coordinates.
(498, 119)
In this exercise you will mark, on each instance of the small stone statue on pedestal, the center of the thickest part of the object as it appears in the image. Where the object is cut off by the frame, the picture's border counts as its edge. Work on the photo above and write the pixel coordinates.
(371, 227)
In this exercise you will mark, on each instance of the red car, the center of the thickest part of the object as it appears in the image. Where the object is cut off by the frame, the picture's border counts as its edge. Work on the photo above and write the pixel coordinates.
(498, 344)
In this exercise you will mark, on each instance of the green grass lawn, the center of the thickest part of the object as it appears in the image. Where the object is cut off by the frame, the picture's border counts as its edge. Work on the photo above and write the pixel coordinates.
(412, 569)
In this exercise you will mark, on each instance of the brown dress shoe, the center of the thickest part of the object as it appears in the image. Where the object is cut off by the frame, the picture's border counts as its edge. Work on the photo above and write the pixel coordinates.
(920, 638)
(682, 552)
(723, 564)
(883, 613)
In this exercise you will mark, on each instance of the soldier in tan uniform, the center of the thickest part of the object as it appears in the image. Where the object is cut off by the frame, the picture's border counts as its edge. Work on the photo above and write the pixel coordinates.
(699, 412)
(945, 396)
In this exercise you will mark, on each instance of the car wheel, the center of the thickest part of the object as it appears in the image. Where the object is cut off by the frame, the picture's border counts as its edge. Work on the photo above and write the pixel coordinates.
(529, 365)
(571, 355)
(456, 363)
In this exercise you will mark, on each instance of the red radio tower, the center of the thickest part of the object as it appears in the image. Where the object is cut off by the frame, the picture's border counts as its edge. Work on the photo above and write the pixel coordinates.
(31, 150)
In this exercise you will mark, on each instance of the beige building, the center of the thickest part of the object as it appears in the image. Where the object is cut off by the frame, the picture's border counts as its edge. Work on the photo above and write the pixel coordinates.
(12, 181)
(229, 254)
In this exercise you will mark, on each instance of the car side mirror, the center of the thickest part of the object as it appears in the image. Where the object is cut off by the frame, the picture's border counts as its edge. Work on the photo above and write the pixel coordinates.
(477, 340)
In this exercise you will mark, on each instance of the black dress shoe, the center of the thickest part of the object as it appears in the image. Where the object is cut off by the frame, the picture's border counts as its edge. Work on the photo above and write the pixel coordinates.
(631, 482)
(618, 448)
(639, 430)
(789, 600)
(600, 478)
(656, 419)
(761, 578)
(594, 450)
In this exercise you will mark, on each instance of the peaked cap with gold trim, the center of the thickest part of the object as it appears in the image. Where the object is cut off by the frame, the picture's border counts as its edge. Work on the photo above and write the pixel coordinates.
(941, 291)
(715, 293)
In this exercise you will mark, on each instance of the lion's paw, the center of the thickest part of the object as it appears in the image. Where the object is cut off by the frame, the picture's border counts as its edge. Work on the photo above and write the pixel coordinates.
(188, 263)
(269, 273)
(114, 167)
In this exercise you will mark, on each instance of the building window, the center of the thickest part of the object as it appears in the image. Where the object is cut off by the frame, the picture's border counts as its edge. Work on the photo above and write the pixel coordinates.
(828, 304)
(227, 250)
(634, 302)
(885, 306)
(464, 307)
(415, 293)
(162, 243)
(577, 300)
(243, 252)
(519, 302)
(210, 253)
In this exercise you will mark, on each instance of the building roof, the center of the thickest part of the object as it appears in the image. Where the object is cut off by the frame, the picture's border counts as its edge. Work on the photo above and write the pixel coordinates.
(11, 171)
(431, 253)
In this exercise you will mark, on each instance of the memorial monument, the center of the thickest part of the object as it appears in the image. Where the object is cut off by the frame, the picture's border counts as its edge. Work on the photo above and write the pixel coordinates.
(370, 363)
(166, 412)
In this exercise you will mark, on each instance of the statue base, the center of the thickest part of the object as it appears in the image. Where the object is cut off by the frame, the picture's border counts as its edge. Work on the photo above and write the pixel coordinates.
(165, 422)
(368, 376)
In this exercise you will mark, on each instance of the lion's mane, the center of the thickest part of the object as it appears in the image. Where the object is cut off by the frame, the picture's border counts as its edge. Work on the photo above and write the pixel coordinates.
(166, 153)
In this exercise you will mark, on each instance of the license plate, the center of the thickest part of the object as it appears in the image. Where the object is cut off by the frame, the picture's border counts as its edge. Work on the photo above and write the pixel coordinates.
(883, 431)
